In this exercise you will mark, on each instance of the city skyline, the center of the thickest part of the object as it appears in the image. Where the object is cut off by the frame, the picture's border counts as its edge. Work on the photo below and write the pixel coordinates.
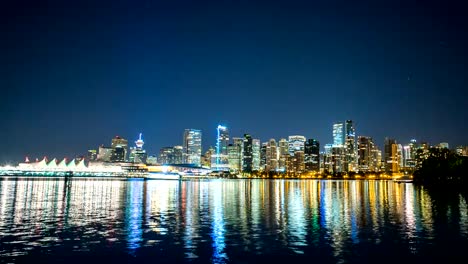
(78, 73)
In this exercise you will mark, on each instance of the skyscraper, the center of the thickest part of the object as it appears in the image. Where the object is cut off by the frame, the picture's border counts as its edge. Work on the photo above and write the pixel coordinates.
(192, 146)
(295, 143)
(283, 154)
(271, 156)
(312, 155)
(256, 154)
(338, 134)
(391, 158)
(119, 143)
(351, 146)
(247, 155)
(365, 154)
(220, 161)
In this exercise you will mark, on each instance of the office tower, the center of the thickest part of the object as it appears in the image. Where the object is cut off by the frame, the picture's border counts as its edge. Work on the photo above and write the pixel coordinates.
(327, 158)
(365, 154)
(118, 142)
(206, 158)
(247, 155)
(271, 156)
(104, 154)
(295, 143)
(92, 155)
(312, 155)
(391, 157)
(256, 154)
(263, 159)
(351, 146)
(152, 160)
(338, 134)
(376, 160)
(178, 157)
(118, 154)
(283, 153)
(166, 155)
(235, 157)
(299, 162)
(192, 146)
(137, 153)
(338, 159)
(220, 160)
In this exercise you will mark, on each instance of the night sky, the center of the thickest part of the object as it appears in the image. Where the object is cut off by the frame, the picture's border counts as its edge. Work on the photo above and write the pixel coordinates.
(76, 73)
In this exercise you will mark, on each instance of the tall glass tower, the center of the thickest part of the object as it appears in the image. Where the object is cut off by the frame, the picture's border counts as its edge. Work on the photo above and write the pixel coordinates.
(220, 161)
(192, 146)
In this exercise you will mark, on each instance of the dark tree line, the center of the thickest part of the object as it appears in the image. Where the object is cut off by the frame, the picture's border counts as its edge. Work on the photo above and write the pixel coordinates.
(443, 167)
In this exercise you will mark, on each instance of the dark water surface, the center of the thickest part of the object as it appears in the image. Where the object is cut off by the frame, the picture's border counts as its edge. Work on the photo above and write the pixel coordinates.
(229, 221)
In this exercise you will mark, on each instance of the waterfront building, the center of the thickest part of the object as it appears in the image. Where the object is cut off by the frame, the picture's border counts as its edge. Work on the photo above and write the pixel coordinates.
(118, 154)
(247, 155)
(206, 158)
(338, 159)
(92, 155)
(271, 156)
(327, 158)
(391, 157)
(104, 153)
(338, 134)
(192, 146)
(351, 146)
(137, 153)
(256, 154)
(220, 161)
(166, 155)
(234, 158)
(295, 143)
(283, 153)
(299, 165)
(152, 160)
(312, 155)
(369, 157)
(122, 144)
(263, 158)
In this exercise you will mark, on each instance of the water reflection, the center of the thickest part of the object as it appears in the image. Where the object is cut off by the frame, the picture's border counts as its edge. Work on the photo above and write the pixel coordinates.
(227, 220)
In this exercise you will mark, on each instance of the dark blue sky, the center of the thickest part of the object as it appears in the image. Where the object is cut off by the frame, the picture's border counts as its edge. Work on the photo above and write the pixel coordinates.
(74, 74)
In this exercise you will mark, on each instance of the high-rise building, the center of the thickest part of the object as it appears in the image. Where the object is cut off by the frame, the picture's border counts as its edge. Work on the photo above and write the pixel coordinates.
(192, 146)
(256, 154)
(263, 159)
(312, 155)
(220, 161)
(166, 155)
(351, 146)
(235, 154)
(206, 158)
(295, 143)
(152, 160)
(338, 134)
(365, 154)
(299, 162)
(118, 142)
(104, 154)
(391, 158)
(178, 153)
(247, 155)
(283, 153)
(338, 159)
(271, 156)
(137, 153)
(92, 155)
(327, 158)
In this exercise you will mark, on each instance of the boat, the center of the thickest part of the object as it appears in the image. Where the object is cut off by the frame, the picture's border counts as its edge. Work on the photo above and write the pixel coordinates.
(163, 176)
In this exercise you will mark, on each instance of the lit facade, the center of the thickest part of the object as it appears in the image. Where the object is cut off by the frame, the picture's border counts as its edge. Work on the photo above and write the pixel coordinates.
(192, 146)
(271, 156)
(312, 155)
(247, 154)
(256, 154)
(295, 143)
(220, 161)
